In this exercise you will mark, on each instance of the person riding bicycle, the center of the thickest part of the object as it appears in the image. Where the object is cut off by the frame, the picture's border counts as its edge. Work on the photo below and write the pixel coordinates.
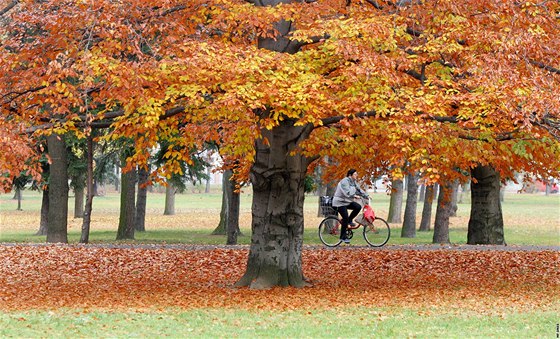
(347, 191)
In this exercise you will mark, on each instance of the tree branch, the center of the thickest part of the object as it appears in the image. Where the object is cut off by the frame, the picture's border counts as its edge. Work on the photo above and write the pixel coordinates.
(8, 7)
(545, 66)
(333, 120)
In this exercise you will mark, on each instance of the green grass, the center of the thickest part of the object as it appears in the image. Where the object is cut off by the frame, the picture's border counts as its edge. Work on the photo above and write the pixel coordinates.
(333, 323)
(530, 219)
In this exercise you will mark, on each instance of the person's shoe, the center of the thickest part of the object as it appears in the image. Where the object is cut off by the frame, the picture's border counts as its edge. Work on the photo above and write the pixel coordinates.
(352, 224)
(346, 241)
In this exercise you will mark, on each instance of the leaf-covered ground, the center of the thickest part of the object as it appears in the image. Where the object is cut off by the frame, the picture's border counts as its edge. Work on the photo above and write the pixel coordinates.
(53, 276)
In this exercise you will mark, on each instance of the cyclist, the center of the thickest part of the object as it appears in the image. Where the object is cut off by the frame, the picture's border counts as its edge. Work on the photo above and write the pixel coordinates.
(346, 192)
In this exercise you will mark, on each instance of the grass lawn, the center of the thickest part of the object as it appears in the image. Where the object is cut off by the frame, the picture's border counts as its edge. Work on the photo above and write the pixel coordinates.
(346, 322)
(530, 219)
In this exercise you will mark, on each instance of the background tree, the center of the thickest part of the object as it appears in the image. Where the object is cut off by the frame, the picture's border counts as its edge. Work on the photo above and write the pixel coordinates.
(426, 220)
(409, 223)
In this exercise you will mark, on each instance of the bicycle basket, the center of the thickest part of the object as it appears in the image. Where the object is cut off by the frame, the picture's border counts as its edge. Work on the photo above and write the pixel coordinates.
(325, 205)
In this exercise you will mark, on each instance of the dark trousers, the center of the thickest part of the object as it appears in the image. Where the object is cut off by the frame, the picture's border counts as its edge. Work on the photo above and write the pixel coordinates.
(343, 211)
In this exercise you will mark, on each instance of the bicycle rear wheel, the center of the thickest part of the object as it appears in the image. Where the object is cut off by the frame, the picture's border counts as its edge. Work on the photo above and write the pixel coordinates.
(329, 231)
(377, 233)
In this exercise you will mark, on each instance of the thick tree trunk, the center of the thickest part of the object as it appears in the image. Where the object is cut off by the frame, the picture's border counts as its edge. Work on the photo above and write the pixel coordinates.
(409, 224)
(79, 202)
(443, 211)
(395, 205)
(426, 220)
(86, 222)
(275, 257)
(486, 225)
(128, 208)
(44, 213)
(57, 224)
(141, 200)
(169, 200)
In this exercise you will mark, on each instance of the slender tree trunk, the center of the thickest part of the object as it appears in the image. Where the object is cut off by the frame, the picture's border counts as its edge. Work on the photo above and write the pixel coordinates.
(427, 208)
(233, 217)
(18, 197)
(395, 205)
(79, 202)
(86, 222)
(275, 257)
(229, 216)
(443, 211)
(57, 224)
(409, 224)
(142, 197)
(44, 213)
(169, 200)
(222, 225)
(454, 198)
(486, 225)
(422, 193)
(128, 208)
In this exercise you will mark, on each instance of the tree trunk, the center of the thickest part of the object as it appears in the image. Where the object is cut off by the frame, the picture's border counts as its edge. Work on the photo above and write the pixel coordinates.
(18, 197)
(229, 215)
(486, 225)
(443, 211)
(84, 237)
(142, 197)
(278, 179)
(44, 213)
(57, 224)
(395, 206)
(79, 202)
(422, 193)
(169, 200)
(409, 224)
(222, 225)
(128, 208)
(454, 198)
(233, 216)
(427, 208)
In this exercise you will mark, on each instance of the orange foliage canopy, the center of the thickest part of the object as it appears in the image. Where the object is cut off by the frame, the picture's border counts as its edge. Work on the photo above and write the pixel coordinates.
(446, 85)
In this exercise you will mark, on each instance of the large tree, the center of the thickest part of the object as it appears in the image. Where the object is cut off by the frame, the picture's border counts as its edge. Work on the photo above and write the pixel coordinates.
(374, 85)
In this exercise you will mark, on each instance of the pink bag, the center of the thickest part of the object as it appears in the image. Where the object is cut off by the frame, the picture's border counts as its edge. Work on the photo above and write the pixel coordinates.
(368, 213)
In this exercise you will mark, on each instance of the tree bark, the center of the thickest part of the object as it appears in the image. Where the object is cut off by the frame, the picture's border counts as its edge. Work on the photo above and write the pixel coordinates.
(79, 202)
(17, 195)
(395, 205)
(57, 224)
(426, 220)
(86, 222)
(454, 198)
(128, 208)
(44, 213)
(275, 257)
(486, 225)
(169, 200)
(229, 215)
(233, 216)
(409, 224)
(443, 211)
(141, 200)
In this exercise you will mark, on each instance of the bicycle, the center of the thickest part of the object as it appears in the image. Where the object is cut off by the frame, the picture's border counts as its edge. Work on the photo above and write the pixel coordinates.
(376, 233)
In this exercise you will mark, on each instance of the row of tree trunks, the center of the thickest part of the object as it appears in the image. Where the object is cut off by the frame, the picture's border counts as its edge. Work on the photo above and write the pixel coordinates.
(409, 223)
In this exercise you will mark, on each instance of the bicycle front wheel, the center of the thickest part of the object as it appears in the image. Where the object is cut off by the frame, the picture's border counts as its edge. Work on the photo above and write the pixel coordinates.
(377, 233)
(329, 231)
